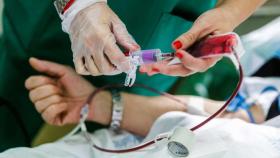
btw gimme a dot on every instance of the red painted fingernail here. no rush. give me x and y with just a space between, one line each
179 55
155 69
126 53
178 44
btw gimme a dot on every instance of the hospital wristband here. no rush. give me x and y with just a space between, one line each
63 5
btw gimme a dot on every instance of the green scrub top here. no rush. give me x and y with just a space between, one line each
32 29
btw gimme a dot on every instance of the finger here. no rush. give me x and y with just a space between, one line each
80 67
144 68
196 64
37 81
152 69
199 30
174 70
53 114
43 92
123 37
42 105
104 64
47 67
112 69
92 68
116 56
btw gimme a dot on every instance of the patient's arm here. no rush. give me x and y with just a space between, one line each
140 112
60 94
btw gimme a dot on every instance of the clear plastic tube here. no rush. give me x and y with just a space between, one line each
150 56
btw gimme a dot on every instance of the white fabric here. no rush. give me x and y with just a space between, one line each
71 13
273 122
253 86
221 138
260 46
195 106
266 100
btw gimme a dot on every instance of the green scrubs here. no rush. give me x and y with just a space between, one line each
32 29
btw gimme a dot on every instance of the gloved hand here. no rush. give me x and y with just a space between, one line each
59 101
95 34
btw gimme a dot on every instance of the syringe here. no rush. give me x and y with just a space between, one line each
150 56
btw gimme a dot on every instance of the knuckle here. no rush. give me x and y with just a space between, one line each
43 79
203 22
53 88
51 112
57 98
117 58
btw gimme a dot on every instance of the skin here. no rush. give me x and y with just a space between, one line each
225 17
59 101
212 106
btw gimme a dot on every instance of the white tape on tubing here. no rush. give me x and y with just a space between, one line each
181 142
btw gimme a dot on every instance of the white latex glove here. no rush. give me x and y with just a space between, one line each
95 33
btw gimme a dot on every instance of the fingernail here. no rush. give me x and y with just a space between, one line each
126 53
177 44
179 55
136 46
155 69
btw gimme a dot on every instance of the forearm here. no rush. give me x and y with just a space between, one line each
139 113
240 9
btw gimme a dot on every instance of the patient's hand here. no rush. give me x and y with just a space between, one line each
256 110
212 106
60 95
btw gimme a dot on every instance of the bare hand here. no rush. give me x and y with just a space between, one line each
60 95
213 22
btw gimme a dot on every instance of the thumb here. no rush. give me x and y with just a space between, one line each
199 30
49 68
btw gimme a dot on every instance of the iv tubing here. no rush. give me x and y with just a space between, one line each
144 145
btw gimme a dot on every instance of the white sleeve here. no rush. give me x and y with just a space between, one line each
70 14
